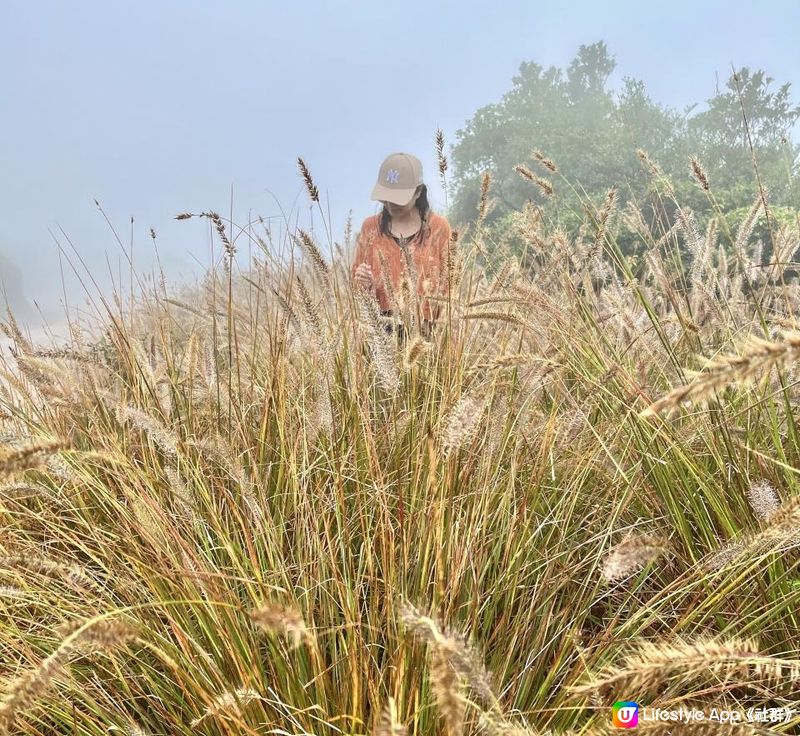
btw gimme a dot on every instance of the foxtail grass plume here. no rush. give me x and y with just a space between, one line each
483 206
632 554
10 328
763 499
18 459
495 725
758 355
51 379
524 172
311 188
441 159
440 155
287 310
455 264
105 634
348 229
782 529
698 173
230 249
321 421
27 688
701 249
719 661
544 161
309 247
229 703
34 563
388 724
449 691
147 517
386 280
309 315
606 211
454 649
648 162
277 618
724 556
656 172
572 423
501 316
382 345
545 186
462 422
509 360
18 491
57 466
416 348
13 592
132 729
164 439
747 225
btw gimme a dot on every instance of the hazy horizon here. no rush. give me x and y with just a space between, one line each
154 110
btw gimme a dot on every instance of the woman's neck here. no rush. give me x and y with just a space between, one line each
407 217
405 225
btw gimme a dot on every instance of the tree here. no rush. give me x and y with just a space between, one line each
719 137
592 133
565 115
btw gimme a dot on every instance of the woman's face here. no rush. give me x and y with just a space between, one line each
397 210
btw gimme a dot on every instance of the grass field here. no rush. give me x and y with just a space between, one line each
247 510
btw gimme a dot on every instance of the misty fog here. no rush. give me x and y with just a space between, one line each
152 110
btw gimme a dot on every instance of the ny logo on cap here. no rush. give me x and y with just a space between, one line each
393 176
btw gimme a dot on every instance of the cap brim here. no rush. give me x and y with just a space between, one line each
396 196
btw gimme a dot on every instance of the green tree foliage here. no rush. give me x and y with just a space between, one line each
719 137
592 133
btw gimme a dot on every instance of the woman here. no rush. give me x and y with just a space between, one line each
406 222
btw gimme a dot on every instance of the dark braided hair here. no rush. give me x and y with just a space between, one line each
423 207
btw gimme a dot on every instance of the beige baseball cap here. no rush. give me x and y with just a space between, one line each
399 176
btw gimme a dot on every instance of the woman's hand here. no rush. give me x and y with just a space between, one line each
363 276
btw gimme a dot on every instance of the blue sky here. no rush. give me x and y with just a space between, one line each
154 108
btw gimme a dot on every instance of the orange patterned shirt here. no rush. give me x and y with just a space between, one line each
428 256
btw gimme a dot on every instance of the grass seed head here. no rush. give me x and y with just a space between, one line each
277 618
230 702
462 423
29 456
632 554
763 499
311 188
544 161
698 173
440 155
388 723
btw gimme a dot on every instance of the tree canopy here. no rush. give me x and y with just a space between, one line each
593 132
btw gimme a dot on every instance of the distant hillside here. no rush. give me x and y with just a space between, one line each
11 290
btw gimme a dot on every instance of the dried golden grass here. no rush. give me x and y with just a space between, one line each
30 686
